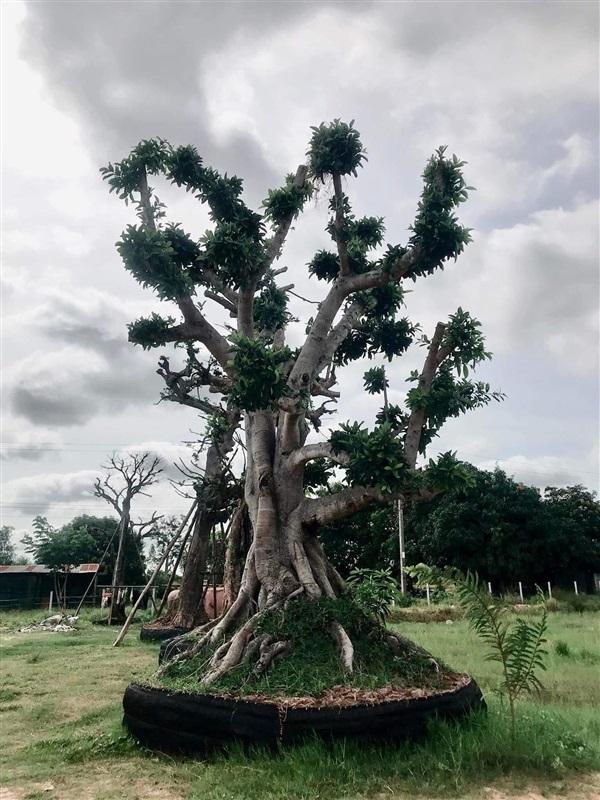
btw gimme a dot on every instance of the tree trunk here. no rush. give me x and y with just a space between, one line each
238 544
188 610
116 612
285 559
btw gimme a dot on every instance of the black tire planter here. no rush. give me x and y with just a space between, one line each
165 719
148 634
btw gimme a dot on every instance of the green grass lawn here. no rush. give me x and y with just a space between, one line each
60 713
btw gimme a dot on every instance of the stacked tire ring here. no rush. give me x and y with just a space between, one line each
165 719
150 634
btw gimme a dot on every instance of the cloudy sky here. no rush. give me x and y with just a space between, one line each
511 87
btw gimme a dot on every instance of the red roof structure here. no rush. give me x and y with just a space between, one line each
39 569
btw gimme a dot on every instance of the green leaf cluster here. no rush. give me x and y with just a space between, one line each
383 301
463 334
158 259
374 590
124 177
232 253
317 474
518 648
375 381
270 309
150 331
287 202
376 458
448 397
436 231
325 266
260 379
447 473
373 336
335 148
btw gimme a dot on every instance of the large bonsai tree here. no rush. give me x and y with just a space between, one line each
278 393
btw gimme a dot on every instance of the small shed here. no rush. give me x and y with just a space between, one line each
29 586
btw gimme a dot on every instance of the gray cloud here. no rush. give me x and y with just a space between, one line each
36 494
133 72
95 372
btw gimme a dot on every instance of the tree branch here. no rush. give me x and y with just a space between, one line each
276 244
342 248
310 452
414 428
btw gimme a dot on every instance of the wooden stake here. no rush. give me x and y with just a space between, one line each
148 586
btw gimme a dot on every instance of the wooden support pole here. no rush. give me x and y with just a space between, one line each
174 572
148 586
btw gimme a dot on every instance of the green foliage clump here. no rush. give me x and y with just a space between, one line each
151 258
375 380
270 309
517 648
375 591
260 378
149 156
376 458
335 148
232 253
324 265
436 230
317 473
287 202
150 331
373 335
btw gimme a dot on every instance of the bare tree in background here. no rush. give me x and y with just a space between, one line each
125 478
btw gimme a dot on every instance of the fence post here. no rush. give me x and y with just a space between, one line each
575 585
50 600
549 590
428 595
490 587
521 591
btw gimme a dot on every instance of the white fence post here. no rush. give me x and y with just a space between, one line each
575 585
50 601
549 590
521 591
428 595
489 587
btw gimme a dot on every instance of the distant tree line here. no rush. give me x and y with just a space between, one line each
505 531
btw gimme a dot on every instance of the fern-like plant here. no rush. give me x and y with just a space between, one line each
517 647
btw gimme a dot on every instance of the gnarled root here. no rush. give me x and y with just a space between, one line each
270 652
403 647
344 646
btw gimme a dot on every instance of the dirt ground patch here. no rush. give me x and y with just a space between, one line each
9 794
587 787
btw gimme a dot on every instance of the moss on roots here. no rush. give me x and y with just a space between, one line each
314 665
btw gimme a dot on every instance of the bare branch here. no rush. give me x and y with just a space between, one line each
221 301
310 452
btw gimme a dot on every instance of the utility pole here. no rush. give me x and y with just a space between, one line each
401 545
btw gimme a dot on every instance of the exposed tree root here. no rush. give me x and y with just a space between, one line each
270 652
403 647
345 647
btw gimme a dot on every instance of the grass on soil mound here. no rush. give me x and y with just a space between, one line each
313 670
